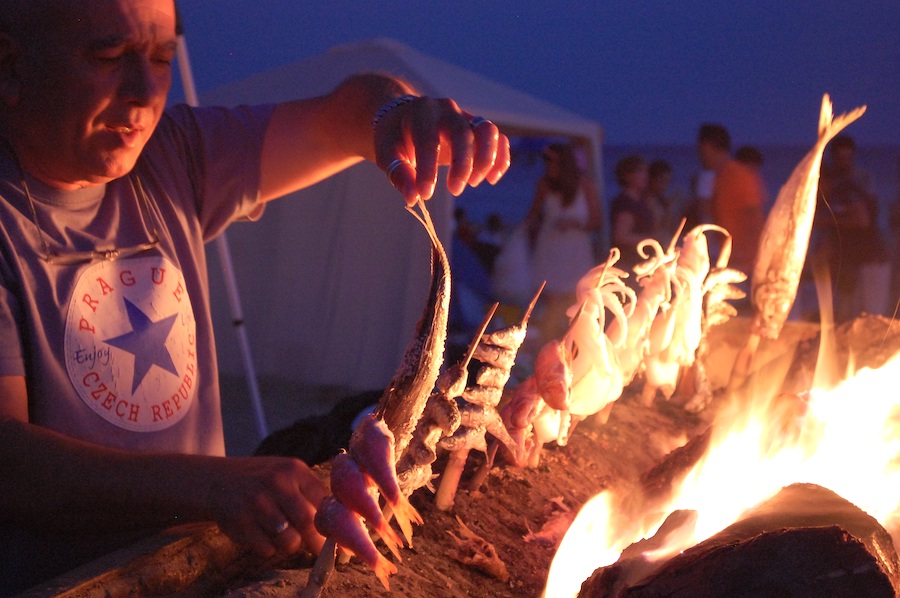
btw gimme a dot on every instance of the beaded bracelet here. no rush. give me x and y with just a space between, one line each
390 106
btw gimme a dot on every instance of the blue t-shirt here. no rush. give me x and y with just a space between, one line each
121 353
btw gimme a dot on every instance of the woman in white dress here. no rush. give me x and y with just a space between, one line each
563 217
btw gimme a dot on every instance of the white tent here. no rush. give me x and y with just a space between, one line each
334 280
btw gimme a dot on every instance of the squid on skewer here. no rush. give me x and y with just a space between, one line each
679 329
654 276
597 376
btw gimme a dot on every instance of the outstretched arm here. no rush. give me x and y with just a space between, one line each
311 139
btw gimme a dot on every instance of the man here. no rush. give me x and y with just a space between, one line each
850 239
738 195
110 424
659 179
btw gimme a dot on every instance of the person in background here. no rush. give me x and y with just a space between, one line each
110 413
738 195
562 218
697 210
463 227
632 214
753 158
490 239
659 179
850 240
749 155
894 220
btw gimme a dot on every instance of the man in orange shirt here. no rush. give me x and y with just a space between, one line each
738 195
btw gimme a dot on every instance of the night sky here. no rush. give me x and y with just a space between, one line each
649 72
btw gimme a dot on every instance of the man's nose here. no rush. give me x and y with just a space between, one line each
142 80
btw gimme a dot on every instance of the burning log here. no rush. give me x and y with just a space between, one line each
805 541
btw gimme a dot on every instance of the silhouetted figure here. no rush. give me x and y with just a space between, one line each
632 216
659 179
562 218
849 237
738 195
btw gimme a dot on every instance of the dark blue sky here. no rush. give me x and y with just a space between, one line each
649 71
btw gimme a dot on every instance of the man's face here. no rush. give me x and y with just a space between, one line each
93 89
842 159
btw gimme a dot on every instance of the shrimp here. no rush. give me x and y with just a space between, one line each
372 448
334 520
480 399
553 374
518 413
353 489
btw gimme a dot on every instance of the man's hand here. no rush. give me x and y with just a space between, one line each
413 138
267 504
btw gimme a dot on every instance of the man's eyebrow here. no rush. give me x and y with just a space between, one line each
112 41
118 41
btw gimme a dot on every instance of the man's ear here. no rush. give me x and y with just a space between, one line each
10 53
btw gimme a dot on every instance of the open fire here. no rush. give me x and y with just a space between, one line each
844 438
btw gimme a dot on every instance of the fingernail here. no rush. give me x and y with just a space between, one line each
456 187
427 190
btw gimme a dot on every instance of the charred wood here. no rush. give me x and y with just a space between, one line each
805 541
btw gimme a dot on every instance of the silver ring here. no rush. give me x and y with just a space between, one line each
477 120
282 527
392 167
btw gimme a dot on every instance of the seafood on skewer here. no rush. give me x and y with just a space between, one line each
440 418
368 471
356 490
518 413
539 413
654 276
478 403
785 240
372 448
335 521
718 289
597 376
478 407
403 401
678 330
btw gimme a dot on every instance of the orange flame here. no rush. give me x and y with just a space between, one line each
846 439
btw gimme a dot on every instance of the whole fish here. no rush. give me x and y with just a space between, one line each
785 241
785 236
403 401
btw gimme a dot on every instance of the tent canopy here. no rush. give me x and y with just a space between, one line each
334 278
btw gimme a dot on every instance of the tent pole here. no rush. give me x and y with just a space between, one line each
234 300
